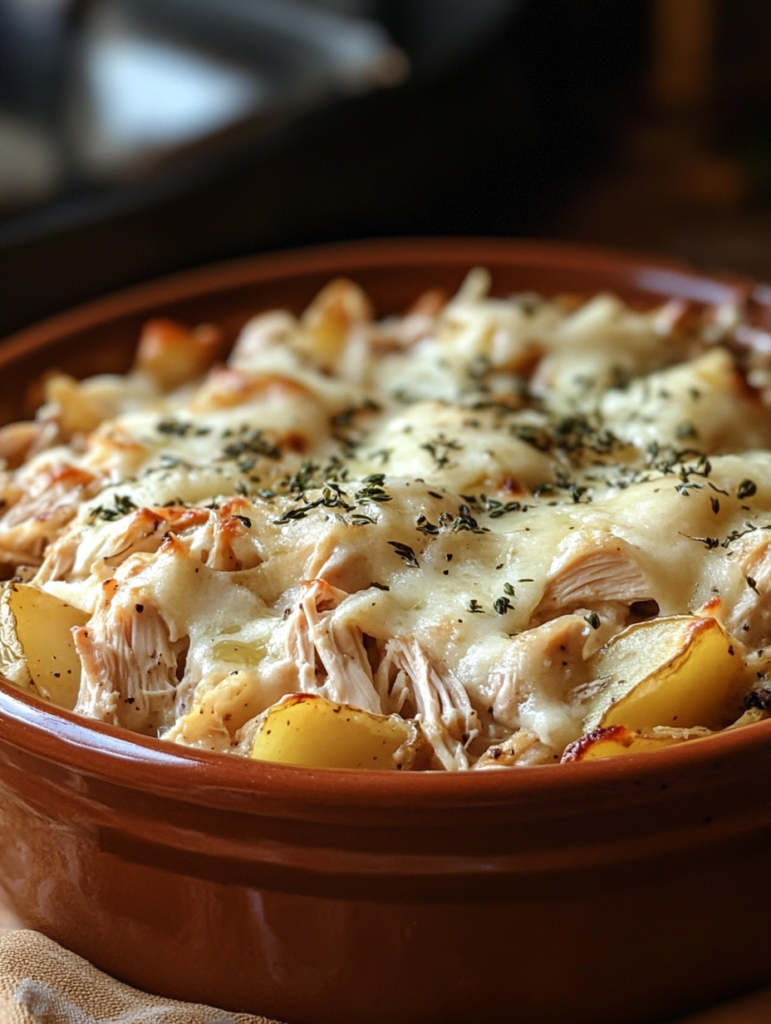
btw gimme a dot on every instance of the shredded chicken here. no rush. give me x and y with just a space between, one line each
533 683
129 663
329 657
50 501
749 617
443 707
20 441
594 570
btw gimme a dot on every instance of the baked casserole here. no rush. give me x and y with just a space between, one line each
486 533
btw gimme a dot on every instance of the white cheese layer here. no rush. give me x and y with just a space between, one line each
472 498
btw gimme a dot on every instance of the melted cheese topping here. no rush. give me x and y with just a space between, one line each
442 515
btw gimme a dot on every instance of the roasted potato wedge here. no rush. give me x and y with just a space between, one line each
36 647
329 319
308 730
614 741
173 355
681 671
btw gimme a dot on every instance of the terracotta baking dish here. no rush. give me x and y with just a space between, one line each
614 891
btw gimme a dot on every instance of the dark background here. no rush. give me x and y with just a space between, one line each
636 123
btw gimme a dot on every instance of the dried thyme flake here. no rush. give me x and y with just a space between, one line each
373 489
253 442
359 519
405 551
425 526
175 428
122 505
439 449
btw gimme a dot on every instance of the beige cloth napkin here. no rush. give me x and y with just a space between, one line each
41 983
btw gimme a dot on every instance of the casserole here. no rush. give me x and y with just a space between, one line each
303 893
490 532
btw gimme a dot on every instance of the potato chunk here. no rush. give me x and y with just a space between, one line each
681 671
36 647
308 730
615 741
173 355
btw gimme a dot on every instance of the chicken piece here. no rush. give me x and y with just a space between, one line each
534 682
329 656
49 503
79 550
129 664
69 407
749 618
75 407
707 397
444 711
261 334
594 570
339 562
112 450
20 440
227 543
226 388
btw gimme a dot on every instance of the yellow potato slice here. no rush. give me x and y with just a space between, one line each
308 730
681 671
36 647
615 741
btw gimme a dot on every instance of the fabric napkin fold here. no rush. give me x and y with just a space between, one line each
41 983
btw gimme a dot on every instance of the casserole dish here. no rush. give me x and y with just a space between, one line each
317 896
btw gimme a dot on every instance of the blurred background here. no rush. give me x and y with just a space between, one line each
139 137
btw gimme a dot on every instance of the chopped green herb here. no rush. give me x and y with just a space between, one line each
174 427
405 551
425 526
253 442
373 489
439 449
685 430
358 519
122 505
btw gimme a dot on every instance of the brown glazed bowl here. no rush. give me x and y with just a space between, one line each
625 890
